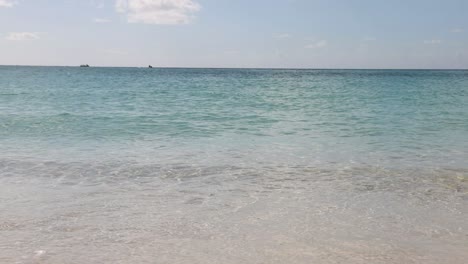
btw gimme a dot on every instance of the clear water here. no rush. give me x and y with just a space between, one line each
128 165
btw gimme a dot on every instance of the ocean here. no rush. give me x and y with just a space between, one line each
174 165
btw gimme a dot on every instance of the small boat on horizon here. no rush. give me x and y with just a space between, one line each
84 65
149 66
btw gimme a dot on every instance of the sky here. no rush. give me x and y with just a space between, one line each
404 34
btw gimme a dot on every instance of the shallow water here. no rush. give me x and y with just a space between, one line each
127 165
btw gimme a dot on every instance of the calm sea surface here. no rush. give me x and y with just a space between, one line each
136 165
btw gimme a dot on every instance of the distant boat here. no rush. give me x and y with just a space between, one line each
84 65
149 66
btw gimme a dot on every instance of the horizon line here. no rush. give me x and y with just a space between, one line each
238 68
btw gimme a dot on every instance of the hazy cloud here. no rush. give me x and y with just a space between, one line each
231 52
433 41
16 36
97 3
367 39
116 52
456 30
168 12
316 45
101 20
7 3
283 36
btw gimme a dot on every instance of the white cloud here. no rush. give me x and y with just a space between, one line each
101 20
316 45
7 3
168 12
282 36
16 36
433 41
456 30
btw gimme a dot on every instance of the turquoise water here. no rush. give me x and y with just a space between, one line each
378 118
339 164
